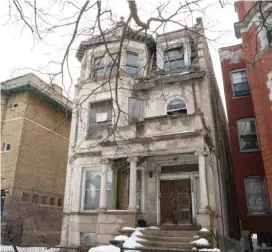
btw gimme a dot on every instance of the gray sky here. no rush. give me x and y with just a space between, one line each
20 52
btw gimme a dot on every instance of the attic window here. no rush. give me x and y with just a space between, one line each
174 58
176 106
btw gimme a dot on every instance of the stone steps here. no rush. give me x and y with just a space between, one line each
182 239
179 238
163 244
170 233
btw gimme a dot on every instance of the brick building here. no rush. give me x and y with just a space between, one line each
247 75
35 128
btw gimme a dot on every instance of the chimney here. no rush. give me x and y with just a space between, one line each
57 90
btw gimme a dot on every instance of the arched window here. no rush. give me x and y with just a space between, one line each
176 106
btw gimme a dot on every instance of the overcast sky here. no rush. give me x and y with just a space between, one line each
19 52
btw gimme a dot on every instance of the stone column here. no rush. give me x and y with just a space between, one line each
104 182
204 212
132 182
202 181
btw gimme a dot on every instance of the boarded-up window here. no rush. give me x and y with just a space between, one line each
100 118
135 109
256 195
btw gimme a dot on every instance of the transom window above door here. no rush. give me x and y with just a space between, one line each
176 106
239 80
174 58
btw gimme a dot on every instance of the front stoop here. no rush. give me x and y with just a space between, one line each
171 239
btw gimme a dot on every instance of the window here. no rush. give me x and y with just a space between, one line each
99 66
132 63
140 190
135 109
176 106
100 118
269 37
59 202
112 65
35 199
256 195
15 105
239 81
247 134
44 200
92 185
6 147
52 201
25 197
174 58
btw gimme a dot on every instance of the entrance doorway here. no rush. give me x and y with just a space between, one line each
175 202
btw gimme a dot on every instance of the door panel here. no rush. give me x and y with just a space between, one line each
167 201
176 201
183 201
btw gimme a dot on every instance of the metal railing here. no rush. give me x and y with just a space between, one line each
37 248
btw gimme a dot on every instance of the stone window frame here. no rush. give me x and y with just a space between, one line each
168 100
262 180
166 55
132 52
234 96
107 59
6 146
247 119
107 123
83 190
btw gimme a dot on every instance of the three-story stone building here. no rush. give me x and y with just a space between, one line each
149 140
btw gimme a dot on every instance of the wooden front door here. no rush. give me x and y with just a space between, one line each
176 207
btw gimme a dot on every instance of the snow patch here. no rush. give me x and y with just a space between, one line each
109 248
121 238
128 229
233 56
152 227
194 248
202 242
204 230
196 236
214 250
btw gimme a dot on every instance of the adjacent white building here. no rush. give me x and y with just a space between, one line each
149 143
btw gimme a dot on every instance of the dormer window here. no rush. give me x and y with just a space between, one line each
132 63
176 106
174 58
99 67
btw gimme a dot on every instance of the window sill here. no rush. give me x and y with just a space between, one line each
240 97
248 151
259 214
88 211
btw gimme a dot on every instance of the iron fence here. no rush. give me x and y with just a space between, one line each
37 248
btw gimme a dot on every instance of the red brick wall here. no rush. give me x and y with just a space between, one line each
244 164
242 7
258 69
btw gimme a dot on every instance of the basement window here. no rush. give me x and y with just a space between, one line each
25 197
176 106
6 147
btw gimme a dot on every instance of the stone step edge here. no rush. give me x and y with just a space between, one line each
152 237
